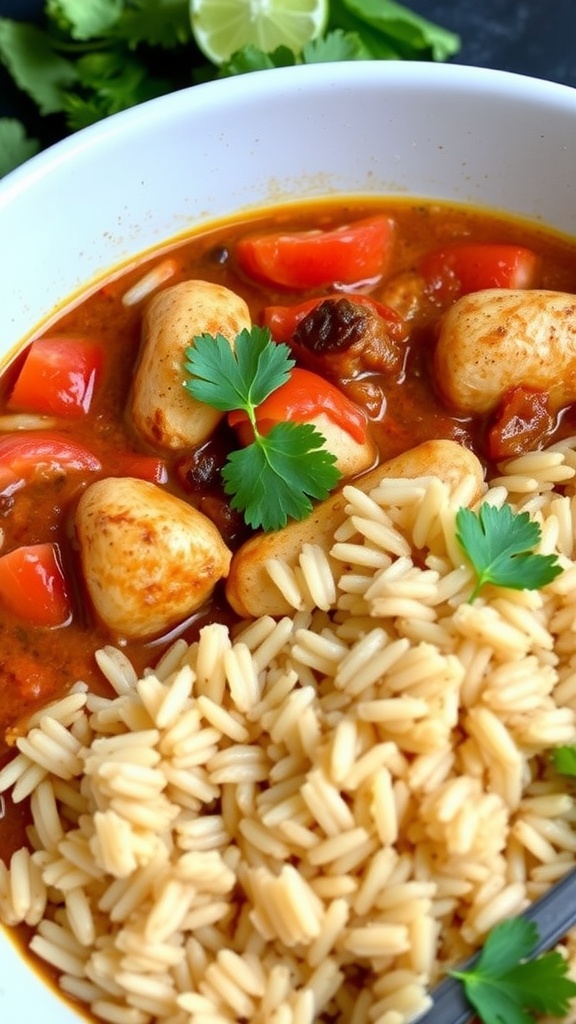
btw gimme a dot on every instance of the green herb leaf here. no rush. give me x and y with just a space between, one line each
413 35
84 19
162 23
250 58
503 986
376 44
31 57
239 378
15 146
274 478
335 45
498 543
564 760
112 80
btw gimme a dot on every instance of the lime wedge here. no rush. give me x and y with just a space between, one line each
221 27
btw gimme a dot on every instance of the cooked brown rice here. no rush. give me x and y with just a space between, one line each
312 819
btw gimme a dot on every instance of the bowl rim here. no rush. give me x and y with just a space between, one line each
235 89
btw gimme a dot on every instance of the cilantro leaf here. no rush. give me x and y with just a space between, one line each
236 379
162 23
504 985
30 55
564 760
82 19
507 944
15 146
250 58
409 33
376 44
498 543
110 81
335 45
273 479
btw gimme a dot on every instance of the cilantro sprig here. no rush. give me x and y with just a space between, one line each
499 544
274 478
505 985
87 59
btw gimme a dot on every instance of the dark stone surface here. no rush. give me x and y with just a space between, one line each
530 37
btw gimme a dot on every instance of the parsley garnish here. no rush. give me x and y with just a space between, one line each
274 478
504 985
564 760
499 543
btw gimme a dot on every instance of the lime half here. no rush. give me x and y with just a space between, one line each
221 27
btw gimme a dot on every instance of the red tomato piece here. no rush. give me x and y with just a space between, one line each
314 259
142 466
304 396
57 377
41 454
32 585
461 268
282 321
522 422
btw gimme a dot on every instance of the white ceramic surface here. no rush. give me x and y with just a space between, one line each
111 191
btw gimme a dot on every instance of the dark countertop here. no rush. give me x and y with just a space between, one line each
529 37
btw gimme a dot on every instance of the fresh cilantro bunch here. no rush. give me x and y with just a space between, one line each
505 985
272 479
92 58
499 543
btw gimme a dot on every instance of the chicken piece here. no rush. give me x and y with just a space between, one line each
405 293
307 397
163 412
148 558
492 341
343 339
352 456
249 589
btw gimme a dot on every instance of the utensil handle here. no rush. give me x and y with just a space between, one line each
554 914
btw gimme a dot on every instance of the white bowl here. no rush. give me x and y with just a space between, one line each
473 136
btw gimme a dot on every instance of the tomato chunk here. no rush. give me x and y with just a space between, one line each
142 466
461 268
314 259
57 377
32 585
282 321
303 397
39 454
522 422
